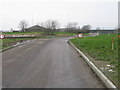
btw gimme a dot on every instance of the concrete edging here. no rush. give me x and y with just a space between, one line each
102 77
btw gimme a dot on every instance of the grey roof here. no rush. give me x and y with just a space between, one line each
35 27
104 30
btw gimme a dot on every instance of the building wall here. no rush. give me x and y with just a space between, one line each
33 30
103 31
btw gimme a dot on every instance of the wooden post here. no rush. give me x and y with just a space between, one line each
112 43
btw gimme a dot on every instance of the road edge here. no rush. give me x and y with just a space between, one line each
102 77
11 47
22 43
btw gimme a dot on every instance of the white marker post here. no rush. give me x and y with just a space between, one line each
80 36
2 36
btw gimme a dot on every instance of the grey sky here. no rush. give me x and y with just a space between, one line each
97 13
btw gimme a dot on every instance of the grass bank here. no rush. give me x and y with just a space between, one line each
99 50
38 33
22 32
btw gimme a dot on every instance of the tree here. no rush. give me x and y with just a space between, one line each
51 25
23 25
72 27
86 27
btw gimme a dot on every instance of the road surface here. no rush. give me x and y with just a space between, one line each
51 63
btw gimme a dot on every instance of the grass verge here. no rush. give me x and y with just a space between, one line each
5 43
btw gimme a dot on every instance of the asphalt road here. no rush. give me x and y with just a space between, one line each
51 63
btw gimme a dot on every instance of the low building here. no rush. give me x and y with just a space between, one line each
84 31
104 31
35 28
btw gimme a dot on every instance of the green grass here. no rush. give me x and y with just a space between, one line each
99 46
22 32
100 49
56 33
85 34
65 33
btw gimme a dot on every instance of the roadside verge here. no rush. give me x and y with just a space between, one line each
102 77
17 44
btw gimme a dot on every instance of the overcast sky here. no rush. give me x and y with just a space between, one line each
97 13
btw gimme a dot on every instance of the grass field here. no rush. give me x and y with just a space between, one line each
21 32
65 33
99 49
40 33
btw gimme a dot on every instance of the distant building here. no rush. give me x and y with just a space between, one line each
35 28
84 31
119 30
74 31
104 31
